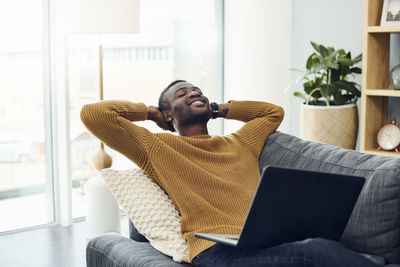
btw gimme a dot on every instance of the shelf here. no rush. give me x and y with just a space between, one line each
382 92
383 153
384 29
375 91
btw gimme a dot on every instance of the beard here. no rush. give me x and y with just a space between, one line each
191 117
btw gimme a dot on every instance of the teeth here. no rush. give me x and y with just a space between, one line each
197 102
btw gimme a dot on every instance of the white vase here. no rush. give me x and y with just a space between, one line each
334 125
103 213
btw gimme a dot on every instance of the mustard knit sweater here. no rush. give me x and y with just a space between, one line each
210 179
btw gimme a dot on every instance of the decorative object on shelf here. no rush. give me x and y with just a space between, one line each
390 13
389 137
330 113
395 77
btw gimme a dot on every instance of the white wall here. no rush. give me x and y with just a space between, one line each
336 23
258 41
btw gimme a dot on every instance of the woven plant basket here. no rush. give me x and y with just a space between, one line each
334 125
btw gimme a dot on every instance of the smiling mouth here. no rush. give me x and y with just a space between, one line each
197 103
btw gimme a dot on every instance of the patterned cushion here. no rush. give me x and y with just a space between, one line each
150 209
374 227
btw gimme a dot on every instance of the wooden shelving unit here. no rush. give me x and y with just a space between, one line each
375 78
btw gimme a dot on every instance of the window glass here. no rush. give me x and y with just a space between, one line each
24 188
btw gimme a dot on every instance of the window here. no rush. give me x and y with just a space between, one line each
179 39
25 188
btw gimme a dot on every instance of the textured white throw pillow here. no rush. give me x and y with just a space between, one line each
150 209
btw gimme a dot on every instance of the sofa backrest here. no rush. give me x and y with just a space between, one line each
374 227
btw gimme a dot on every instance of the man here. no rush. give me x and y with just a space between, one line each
210 179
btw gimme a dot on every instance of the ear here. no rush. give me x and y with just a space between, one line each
167 115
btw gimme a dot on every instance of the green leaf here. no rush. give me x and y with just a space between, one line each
308 86
333 65
348 55
318 67
316 56
323 51
316 95
318 82
338 98
341 52
335 75
300 95
311 61
348 86
345 61
356 70
330 51
316 47
357 59
311 85
297 70
325 90
333 54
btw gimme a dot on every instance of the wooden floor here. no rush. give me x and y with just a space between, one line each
49 246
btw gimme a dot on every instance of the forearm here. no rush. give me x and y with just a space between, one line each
261 118
111 122
248 110
107 111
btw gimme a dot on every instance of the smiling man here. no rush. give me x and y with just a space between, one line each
210 179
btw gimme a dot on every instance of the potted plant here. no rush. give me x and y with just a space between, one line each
329 112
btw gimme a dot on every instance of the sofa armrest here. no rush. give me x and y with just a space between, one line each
113 250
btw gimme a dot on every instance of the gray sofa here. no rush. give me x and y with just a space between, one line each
374 227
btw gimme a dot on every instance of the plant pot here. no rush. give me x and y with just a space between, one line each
334 125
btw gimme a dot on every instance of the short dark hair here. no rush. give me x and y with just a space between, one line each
161 103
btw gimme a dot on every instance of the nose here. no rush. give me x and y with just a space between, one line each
194 94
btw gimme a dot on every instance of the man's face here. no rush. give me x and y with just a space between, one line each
186 104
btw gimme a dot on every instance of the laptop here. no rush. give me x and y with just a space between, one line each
291 205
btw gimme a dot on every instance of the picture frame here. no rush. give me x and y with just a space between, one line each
390 13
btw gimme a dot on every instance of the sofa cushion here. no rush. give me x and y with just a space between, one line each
374 226
114 250
150 209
